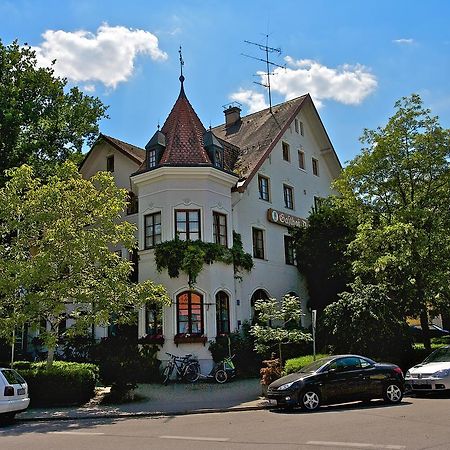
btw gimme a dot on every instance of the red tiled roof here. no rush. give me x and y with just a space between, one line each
136 153
256 134
184 135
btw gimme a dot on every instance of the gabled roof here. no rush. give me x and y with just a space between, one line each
136 154
257 134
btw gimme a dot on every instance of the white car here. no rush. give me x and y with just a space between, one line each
13 394
432 374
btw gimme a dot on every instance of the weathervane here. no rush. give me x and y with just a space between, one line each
181 65
267 50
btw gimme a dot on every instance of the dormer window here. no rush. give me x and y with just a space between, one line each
151 158
218 159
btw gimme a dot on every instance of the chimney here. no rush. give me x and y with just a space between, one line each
232 115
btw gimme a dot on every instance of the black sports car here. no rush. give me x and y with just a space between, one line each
338 379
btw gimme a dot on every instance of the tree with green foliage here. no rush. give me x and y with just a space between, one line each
367 321
399 186
56 254
42 122
279 323
321 252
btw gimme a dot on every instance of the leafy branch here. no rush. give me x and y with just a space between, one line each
190 257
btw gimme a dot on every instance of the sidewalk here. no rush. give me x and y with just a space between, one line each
173 399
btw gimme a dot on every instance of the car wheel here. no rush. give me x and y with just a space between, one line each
7 417
221 376
310 400
392 393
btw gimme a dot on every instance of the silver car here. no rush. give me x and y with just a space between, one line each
13 394
432 374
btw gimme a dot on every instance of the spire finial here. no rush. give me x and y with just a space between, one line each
181 65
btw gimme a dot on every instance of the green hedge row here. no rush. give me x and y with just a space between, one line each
295 364
65 383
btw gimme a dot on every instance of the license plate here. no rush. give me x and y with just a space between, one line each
272 402
21 391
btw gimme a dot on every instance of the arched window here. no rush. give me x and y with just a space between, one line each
259 294
190 313
222 313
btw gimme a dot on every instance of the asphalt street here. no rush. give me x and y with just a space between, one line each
417 423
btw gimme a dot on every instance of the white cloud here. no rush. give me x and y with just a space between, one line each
106 56
404 41
345 84
89 88
255 101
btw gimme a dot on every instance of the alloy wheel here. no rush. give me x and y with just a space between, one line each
311 400
393 393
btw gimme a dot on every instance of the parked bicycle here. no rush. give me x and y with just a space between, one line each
187 368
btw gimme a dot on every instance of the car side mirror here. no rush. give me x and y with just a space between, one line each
333 370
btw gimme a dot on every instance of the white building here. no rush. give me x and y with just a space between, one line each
252 175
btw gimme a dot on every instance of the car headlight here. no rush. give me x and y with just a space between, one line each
283 387
441 373
408 374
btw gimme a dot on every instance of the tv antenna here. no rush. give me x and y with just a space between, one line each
267 50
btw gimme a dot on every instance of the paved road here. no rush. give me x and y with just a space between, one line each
415 424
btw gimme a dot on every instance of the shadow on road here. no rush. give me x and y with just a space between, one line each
20 428
354 406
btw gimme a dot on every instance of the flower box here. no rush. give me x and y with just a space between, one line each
156 339
189 339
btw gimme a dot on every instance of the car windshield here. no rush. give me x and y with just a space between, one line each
440 355
314 366
12 377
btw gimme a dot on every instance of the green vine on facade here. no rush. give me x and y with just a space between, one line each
189 257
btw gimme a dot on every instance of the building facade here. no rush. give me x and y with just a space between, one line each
255 175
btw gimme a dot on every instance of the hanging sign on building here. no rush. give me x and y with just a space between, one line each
284 219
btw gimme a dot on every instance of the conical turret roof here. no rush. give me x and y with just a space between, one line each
184 135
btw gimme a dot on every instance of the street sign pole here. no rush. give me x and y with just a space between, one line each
313 320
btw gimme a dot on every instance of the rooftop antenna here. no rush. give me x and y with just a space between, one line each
267 50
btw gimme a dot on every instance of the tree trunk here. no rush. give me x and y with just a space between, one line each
50 356
425 329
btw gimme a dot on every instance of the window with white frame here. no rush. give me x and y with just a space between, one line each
315 166
288 193
301 159
285 148
220 228
263 187
187 224
258 243
152 228
289 252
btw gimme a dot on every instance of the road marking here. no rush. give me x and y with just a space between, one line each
355 445
195 438
78 433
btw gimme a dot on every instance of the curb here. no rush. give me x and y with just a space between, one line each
144 414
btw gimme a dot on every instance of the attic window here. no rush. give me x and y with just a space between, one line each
297 129
110 163
301 129
285 147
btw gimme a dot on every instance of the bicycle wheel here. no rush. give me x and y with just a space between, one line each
166 374
191 372
221 376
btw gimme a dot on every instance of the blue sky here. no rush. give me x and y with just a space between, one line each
356 58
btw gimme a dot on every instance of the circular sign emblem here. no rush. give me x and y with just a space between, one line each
274 216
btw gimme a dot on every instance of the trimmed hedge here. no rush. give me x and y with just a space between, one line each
65 383
295 364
